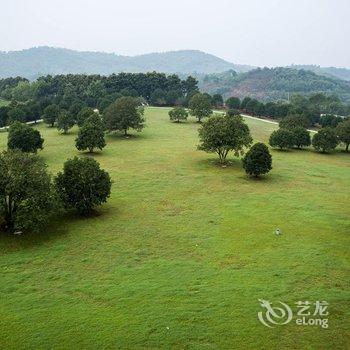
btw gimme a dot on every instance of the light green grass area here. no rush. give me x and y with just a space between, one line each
181 253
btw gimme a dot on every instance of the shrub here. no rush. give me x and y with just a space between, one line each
177 114
258 160
301 137
325 140
281 138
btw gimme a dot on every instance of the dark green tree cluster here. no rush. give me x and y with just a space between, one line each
178 114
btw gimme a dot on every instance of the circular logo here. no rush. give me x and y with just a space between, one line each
274 315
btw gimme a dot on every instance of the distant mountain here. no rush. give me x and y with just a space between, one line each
340 73
271 84
32 63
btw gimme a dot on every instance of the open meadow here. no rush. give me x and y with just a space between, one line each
180 255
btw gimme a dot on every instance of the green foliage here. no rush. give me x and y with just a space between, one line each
258 160
65 121
51 114
329 120
325 140
24 138
217 100
16 114
91 134
83 115
294 121
83 185
233 103
178 114
200 106
281 138
26 193
221 134
301 137
343 132
124 114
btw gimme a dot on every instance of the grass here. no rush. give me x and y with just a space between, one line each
3 102
183 250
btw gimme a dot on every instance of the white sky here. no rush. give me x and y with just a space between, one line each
257 32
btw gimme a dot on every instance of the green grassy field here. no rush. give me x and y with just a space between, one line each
3 102
183 250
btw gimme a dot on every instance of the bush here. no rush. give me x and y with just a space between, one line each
258 160
325 140
177 114
83 185
221 134
91 134
24 138
281 138
301 137
26 192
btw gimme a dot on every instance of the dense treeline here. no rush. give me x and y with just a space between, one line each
29 99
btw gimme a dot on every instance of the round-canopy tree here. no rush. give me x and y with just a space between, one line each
65 121
200 106
91 134
301 137
258 160
233 103
24 138
221 134
177 114
51 113
124 114
26 193
343 132
83 185
325 140
281 138
83 115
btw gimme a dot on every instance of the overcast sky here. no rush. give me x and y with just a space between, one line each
257 32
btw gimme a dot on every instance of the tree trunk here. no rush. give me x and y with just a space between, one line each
347 147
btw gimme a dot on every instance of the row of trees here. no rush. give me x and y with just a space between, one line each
29 196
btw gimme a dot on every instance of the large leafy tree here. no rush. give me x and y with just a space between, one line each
91 134
258 160
325 140
83 115
51 113
343 132
233 103
282 138
221 134
24 138
16 114
301 137
177 114
26 193
124 114
83 185
65 121
200 106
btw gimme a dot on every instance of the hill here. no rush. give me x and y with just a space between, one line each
334 72
273 84
32 63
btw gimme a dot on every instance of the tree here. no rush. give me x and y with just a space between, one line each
83 115
294 121
65 121
330 120
177 114
281 138
24 138
91 134
83 185
16 114
124 114
343 132
325 140
26 192
301 137
258 160
245 102
75 108
233 103
200 106
217 100
221 134
51 113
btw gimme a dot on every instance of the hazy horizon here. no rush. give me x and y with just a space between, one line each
269 33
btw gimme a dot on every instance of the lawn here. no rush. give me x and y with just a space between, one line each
3 102
183 250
